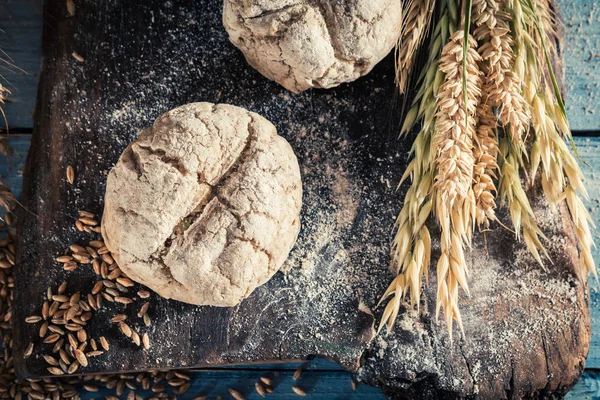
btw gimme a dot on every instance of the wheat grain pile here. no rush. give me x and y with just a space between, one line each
492 124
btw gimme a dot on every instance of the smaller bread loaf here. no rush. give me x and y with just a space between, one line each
303 44
204 206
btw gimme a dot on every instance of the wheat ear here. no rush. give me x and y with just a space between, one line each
485 171
550 26
411 245
430 80
503 85
453 187
416 22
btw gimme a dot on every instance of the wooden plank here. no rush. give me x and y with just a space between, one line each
20 39
582 61
587 388
21 24
319 385
589 150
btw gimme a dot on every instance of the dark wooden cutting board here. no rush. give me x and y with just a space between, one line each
527 331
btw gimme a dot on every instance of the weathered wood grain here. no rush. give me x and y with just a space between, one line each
527 330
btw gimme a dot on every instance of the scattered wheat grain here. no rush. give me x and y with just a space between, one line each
298 390
70 170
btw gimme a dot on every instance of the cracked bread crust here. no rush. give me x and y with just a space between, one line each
204 207
303 44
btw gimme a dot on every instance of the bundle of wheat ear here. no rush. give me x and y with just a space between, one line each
490 112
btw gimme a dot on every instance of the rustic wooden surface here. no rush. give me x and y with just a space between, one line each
143 58
325 380
139 115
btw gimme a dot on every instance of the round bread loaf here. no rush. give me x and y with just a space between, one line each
204 206
313 43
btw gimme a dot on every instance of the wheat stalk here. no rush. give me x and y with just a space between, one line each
454 130
561 177
424 104
410 250
581 222
502 86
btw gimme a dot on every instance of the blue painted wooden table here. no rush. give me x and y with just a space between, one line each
20 32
